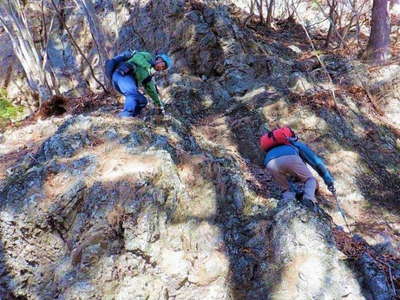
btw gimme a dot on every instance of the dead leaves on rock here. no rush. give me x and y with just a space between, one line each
354 248
321 99
351 247
59 105
195 5
325 99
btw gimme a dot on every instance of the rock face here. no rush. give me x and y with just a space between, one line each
95 207
307 260
116 209
105 207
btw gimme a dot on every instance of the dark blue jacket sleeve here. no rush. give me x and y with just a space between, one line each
314 161
111 64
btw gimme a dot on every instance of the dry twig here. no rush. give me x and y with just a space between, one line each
319 59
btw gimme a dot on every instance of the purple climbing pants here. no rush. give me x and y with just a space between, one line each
292 165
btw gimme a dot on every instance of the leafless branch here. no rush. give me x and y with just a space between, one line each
319 59
77 46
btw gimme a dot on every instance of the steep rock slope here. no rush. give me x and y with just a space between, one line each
94 207
119 210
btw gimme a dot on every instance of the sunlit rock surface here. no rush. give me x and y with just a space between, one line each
95 207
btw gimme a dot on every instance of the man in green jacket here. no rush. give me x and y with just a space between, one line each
130 69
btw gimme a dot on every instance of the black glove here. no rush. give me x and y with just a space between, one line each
331 188
125 68
160 111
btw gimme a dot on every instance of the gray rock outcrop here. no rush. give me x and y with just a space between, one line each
95 207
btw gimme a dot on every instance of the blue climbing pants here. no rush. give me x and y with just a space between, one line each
135 101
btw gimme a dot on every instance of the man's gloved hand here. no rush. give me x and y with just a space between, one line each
160 111
162 107
125 68
331 188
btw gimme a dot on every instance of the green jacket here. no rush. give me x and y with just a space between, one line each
143 62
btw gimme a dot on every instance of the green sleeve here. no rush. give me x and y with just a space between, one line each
142 59
152 92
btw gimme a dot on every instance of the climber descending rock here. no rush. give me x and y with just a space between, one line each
287 157
130 69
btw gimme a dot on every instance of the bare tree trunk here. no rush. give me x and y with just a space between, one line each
16 25
251 13
329 35
260 7
60 16
251 7
334 104
116 49
346 31
97 34
45 50
333 17
270 10
378 48
356 14
332 23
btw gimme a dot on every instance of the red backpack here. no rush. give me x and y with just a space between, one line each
276 137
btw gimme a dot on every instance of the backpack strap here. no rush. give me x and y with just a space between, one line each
298 150
271 135
147 79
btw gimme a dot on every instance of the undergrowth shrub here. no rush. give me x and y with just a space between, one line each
8 111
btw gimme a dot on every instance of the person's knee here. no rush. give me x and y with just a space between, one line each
141 100
287 194
271 168
130 91
311 178
130 103
310 187
126 85
313 181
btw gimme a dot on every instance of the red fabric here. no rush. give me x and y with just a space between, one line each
277 137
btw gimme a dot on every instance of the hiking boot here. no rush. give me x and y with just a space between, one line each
138 110
284 202
125 114
159 111
308 203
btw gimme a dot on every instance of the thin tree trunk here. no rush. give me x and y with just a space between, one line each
77 46
260 5
329 35
97 34
116 49
251 13
19 32
270 11
356 15
319 59
45 50
378 48
346 31
332 23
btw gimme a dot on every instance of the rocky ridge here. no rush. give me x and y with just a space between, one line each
93 207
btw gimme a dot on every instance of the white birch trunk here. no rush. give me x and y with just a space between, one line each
16 25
